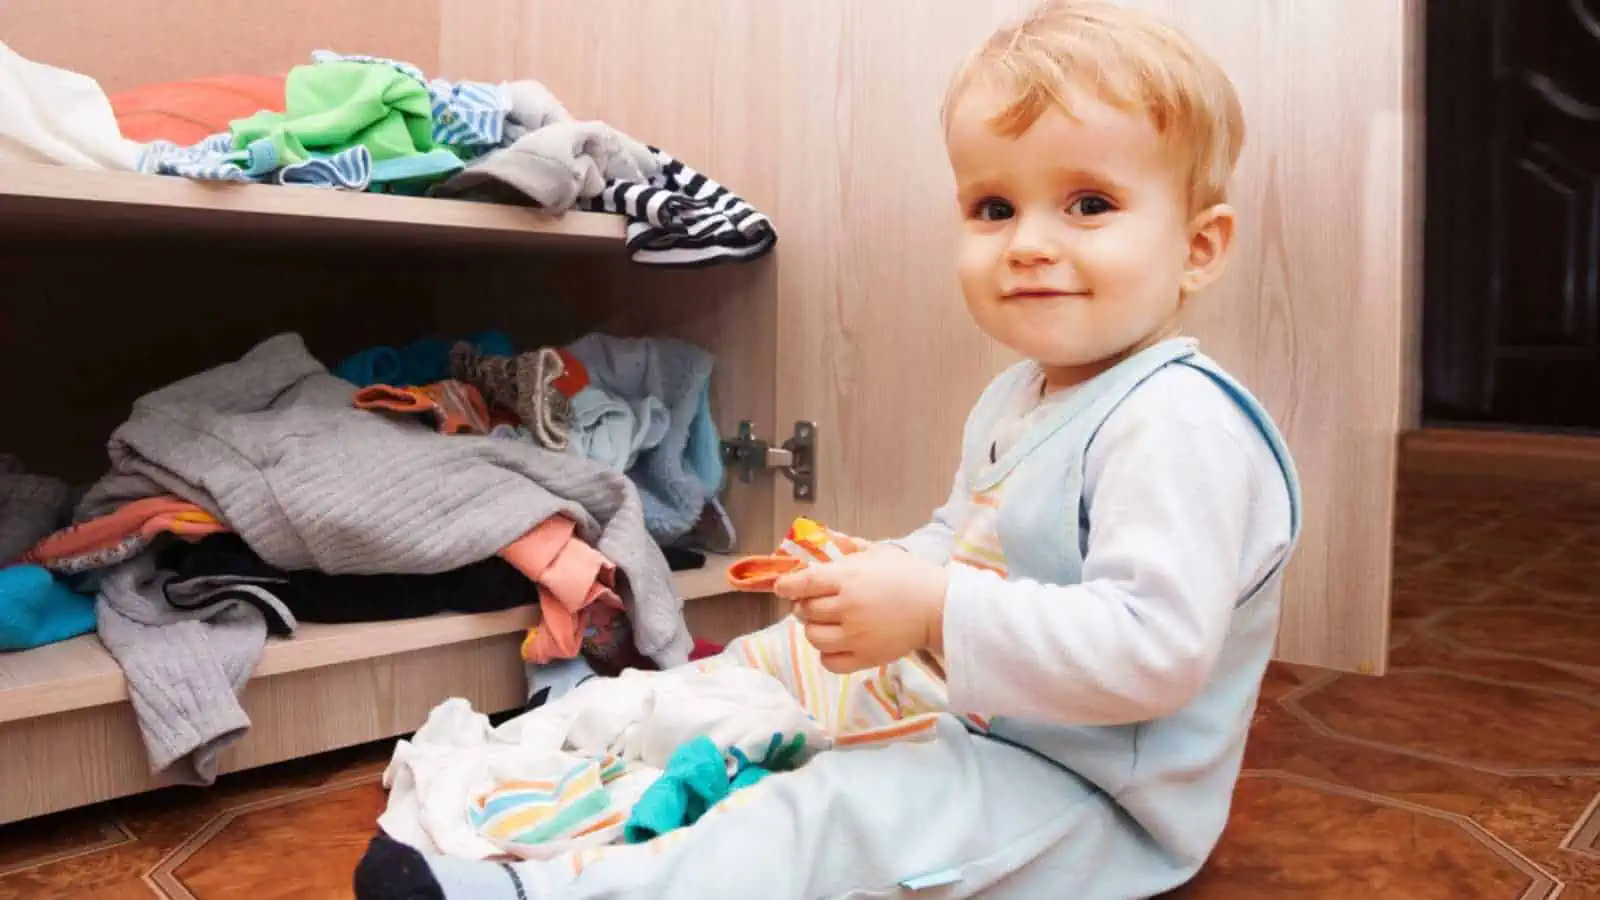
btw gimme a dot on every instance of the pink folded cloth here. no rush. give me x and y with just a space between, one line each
119 535
576 589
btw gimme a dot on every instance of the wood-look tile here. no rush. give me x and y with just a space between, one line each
1281 742
1535 815
1528 538
1436 590
26 845
1476 564
325 833
1286 841
1424 651
1559 636
121 890
1283 678
1558 578
1492 725
1520 597
163 820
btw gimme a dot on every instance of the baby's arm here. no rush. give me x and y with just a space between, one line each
1170 493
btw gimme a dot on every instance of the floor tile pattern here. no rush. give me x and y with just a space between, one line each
1472 770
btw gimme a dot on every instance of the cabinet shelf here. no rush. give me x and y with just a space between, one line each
39 201
80 673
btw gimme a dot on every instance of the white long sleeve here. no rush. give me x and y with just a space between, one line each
1188 511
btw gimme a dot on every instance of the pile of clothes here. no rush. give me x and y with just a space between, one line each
624 760
269 491
640 407
362 123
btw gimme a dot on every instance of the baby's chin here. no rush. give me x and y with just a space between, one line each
1056 352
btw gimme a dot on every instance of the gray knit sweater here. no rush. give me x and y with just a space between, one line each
271 444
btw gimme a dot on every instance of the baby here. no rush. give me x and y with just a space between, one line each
1103 585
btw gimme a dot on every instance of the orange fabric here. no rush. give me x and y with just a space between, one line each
760 573
574 377
187 112
453 407
806 543
146 518
576 586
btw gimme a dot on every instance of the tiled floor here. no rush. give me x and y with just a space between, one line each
1471 771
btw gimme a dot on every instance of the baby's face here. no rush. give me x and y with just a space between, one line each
1076 233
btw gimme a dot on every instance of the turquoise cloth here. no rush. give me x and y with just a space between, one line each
696 779
35 609
422 361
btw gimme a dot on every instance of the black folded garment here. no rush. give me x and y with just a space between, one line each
219 566
680 559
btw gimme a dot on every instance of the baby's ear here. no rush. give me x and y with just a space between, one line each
1210 243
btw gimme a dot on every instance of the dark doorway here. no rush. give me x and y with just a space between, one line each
1511 315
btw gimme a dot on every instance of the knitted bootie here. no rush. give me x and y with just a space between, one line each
525 384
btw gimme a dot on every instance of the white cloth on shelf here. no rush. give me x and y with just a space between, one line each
53 116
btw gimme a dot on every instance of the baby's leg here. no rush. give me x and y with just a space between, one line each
851 823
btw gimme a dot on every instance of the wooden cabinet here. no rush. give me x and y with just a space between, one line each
824 116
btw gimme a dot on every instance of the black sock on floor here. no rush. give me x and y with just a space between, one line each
390 870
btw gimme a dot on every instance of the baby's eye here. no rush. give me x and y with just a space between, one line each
992 209
1090 205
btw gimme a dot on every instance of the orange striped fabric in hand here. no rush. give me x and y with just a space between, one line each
807 542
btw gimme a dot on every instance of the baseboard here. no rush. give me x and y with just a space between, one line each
1504 454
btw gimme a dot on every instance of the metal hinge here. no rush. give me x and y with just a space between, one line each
795 460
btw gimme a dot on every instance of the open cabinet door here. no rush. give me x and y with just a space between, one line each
875 346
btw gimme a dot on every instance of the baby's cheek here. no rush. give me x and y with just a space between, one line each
976 258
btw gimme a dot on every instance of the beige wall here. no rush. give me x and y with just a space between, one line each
126 43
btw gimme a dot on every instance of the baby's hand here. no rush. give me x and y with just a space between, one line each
870 608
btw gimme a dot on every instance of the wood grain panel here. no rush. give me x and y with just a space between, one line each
84 756
127 43
1312 315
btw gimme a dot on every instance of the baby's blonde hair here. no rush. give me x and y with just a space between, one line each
1129 60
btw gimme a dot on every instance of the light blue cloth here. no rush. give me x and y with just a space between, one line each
217 159
35 609
680 473
612 431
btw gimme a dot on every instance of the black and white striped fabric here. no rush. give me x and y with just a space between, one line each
682 218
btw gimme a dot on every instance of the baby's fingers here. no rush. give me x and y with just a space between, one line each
806 584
